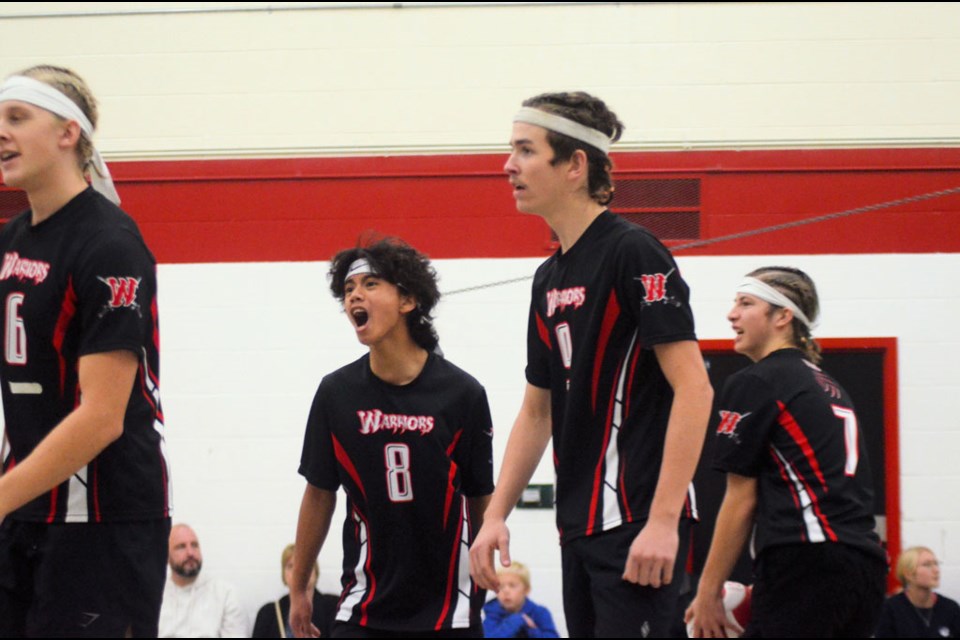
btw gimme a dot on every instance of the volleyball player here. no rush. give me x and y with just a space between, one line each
790 444
84 492
614 376
408 436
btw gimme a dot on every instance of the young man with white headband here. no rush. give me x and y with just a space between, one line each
797 476
84 495
408 436
614 377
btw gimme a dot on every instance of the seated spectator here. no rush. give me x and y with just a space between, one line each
197 606
917 611
273 620
512 614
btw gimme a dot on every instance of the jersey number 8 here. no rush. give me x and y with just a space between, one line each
399 487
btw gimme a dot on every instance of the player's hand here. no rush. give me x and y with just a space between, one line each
653 554
301 614
493 535
706 618
529 621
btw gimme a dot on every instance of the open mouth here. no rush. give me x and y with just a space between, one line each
8 155
360 317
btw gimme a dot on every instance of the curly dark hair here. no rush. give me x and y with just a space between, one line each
399 264
589 111
800 289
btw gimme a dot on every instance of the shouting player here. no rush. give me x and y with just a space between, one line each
790 444
408 435
84 493
614 374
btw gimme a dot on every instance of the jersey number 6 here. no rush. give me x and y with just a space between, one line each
15 340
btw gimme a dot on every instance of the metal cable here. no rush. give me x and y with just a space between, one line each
752 232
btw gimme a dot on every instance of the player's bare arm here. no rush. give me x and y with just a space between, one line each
734 523
654 551
106 380
316 513
528 440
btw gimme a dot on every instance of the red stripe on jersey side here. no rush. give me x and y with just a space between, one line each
451 476
53 504
367 569
347 465
454 558
598 474
68 309
610 316
97 516
793 490
788 422
623 490
543 331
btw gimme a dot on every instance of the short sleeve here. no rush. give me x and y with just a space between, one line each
650 287
115 287
538 350
318 461
476 459
747 412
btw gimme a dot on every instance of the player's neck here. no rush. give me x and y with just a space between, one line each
571 220
182 581
398 363
57 191
921 597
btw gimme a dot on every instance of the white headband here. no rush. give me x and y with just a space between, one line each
567 127
42 95
357 267
760 289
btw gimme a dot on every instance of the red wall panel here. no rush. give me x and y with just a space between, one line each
461 206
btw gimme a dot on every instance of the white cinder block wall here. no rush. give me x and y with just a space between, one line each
244 345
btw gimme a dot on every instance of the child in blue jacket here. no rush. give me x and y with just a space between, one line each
512 614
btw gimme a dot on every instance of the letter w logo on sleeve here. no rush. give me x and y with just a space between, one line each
123 291
728 423
654 286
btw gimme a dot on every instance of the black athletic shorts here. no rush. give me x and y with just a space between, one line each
91 580
825 590
599 603
350 630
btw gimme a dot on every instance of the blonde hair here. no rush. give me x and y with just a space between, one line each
907 562
799 288
285 558
517 569
70 84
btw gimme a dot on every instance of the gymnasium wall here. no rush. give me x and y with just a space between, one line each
250 143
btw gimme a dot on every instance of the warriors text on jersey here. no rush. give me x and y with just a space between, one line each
408 458
789 424
597 311
78 283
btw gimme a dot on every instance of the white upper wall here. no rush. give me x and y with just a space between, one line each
211 79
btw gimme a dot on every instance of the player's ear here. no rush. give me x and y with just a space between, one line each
578 165
407 302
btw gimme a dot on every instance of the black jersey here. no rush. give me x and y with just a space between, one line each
82 282
788 423
595 314
408 458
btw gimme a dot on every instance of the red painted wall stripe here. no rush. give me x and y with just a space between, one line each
459 206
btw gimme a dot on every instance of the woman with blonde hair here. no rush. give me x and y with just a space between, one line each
273 619
84 495
917 611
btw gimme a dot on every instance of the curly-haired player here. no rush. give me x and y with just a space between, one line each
409 437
